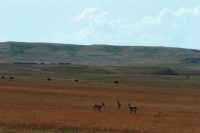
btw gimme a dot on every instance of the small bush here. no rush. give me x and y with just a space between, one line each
76 80
167 71
116 82
11 77
49 79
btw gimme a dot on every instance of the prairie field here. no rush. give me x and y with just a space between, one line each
60 105
29 103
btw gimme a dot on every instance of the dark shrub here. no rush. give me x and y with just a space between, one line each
167 71
116 82
11 77
49 79
76 80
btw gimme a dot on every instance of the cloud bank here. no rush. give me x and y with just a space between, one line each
172 27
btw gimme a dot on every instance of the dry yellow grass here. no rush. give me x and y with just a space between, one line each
63 104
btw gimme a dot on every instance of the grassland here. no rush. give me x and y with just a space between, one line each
31 104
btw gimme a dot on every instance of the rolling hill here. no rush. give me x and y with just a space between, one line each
95 55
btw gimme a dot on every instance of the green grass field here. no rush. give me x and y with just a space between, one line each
136 75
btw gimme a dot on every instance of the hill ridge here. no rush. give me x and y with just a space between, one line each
96 54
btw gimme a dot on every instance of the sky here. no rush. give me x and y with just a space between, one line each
172 23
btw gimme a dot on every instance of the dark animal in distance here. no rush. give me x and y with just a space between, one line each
11 77
99 107
76 80
116 82
49 79
132 109
118 104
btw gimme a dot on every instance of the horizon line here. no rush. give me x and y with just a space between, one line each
98 44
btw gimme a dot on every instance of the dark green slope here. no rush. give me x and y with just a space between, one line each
12 52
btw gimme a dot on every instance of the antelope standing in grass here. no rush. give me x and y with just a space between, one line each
119 105
99 107
132 109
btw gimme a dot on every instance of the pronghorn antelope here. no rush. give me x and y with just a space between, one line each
98 107
118 104
132 109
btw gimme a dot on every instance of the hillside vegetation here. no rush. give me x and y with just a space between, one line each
98 55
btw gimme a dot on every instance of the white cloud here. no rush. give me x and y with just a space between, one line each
156 19
178 26
167 26
94 22
87 31
93 15
164 13
194 11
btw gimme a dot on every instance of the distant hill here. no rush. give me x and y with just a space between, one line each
99 55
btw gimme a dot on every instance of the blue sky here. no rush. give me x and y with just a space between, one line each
174 23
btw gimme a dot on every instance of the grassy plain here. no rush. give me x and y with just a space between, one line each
31 104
